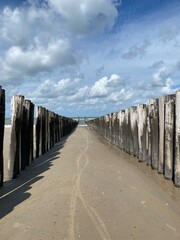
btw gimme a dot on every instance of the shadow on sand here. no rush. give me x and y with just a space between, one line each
15 191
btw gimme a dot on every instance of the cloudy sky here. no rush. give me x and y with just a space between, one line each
89 57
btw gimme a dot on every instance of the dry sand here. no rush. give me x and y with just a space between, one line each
84 188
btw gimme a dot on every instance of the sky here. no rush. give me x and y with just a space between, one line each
89 57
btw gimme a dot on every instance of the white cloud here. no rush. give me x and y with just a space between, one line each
61 89
84 17
104 91
19 63
13 26
104 86
163 73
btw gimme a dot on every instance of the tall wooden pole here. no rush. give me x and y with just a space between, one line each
177 141
2 122
15 139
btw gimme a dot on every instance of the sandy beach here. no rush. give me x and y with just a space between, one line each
85 188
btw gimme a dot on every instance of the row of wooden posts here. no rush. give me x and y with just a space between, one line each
151 132
27 142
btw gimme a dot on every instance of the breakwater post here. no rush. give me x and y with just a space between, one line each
21 139
177 141
169 137
150 132
2 122
142 130
15 151
49 129
27 134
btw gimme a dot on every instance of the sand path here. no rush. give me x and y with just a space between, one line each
86 189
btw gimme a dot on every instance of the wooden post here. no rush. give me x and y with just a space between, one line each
24 135
177 141
126 131
162 102
31 132
113 119
169 138
134 130
120 129
109 127
15 139
123 130
117 130
142 125
2 122
49 130
43 131
38 130
27 134
129 131
153 115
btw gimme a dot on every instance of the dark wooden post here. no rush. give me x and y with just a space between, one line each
38 127
2 119
24 135
14 165
31 131
43 130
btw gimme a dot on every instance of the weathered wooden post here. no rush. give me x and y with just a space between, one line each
106 122
120 129
15 139
148 138
142 125
27 134
123 130
162 102
169 138
47 130
129 132
117 130
38 131
177 141
31 132
134 130
153 115
126 131
24 135
2 122
43 132
110 126
113 124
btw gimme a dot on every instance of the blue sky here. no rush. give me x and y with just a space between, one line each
89 57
